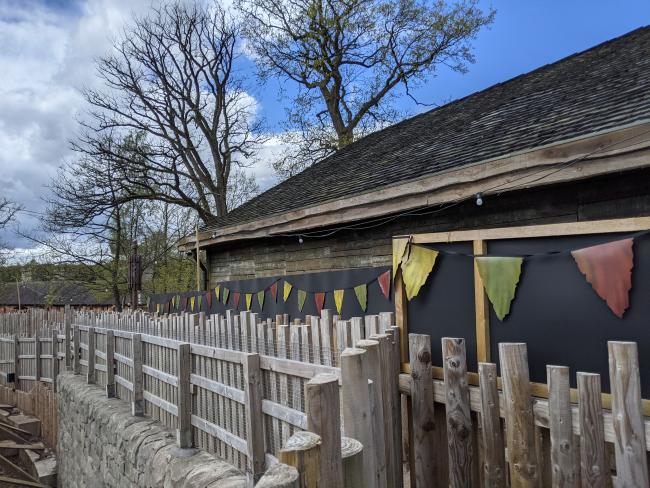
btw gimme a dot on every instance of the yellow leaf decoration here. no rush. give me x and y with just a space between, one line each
249 300
416 269
338 299
224 295
302 296
217 290
192 300
500 276
157 307
361 291
287 290
399 251
260 299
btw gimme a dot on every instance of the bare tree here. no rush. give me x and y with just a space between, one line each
349 57
172 77
8 211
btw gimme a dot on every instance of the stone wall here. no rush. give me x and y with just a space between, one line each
102 445
613 196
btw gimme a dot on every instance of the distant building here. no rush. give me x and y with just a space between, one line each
49 294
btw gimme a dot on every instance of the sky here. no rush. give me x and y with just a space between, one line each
48 47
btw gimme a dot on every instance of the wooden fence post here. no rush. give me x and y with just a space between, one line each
90 376
494 469
353 464
280 476
38 348
302 451
66 342
563 442
518 406
592 436
137 406
184 428
55 358
76 343
627 416
459 422
323 413
355 400
253 395
397 398
16 363
110 363
422 409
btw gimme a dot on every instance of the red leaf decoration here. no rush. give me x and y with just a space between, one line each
319 298
208 300
274 291
384 283
235 298
608 268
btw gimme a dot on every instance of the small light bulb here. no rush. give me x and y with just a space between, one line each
479 199
300 240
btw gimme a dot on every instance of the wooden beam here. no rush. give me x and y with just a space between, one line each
481 308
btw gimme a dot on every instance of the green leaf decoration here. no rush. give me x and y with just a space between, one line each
260 298
500 276
416 268
249 300
338 299
361 291
224 295
287 290
217 289
302 296
400 246
192 301
200 301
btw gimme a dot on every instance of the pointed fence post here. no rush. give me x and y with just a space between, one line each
253 395
16 362
38 348
110 363
67 326
76 345
593 471
494 464
184 429
55 358
137 406
90 376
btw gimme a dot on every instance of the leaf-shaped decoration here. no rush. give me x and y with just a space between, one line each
217 289
287 290
192 302
302 296
416 269
200 297
260 298
274 291
319 298
361 291
224 295
235 299
338 299
384 283
249 300
500 276
208 300
608 268
400 246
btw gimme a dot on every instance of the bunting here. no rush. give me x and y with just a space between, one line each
224 296
208 300
200 300
157 307
217 289
192 302
500 276
400 247
338 300
384 283
178 302
287 290
260 298
361 291
416 268
274 291
249 300
302 296
235 299
184 303
319 298
608 268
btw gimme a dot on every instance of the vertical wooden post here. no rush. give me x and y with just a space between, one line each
253 395
76 346
67 331
563 442
137 406
593 472
16 362
302 451
55 358
627 416
110 363
422 409
481 308
353 467
459 422
396 363
323 413
184 428
90 375
494 468
38 348
326 336
520 428
355 400
401 313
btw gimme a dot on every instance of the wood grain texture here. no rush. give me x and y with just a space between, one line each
352 454
184 370
481 308
254 418
494 467
302 451
593 471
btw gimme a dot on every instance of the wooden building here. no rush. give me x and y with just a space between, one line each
49 295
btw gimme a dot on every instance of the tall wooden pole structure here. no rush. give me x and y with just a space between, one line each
198 262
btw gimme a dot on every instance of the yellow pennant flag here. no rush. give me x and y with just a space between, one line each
338 299
192 300
400 252
302 296
287 290
217 289
361 291
249 300
157 307
500 276
260 298
416 269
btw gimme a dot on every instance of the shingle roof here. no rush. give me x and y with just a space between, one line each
601 88
49 293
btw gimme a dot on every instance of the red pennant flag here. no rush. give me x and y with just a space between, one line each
319 298
608 268
184 303
384 283
208 300
274 291
235 298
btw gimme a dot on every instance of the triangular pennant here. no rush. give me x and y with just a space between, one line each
208 300
217 290
274 291
361 291
302 296
184 303
178 301
235 299
192 302
224 295
319 298
338 299
416 268
249 300
157 307
384 283
400 246
500 276
260 298
608 268
287 290
200 300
